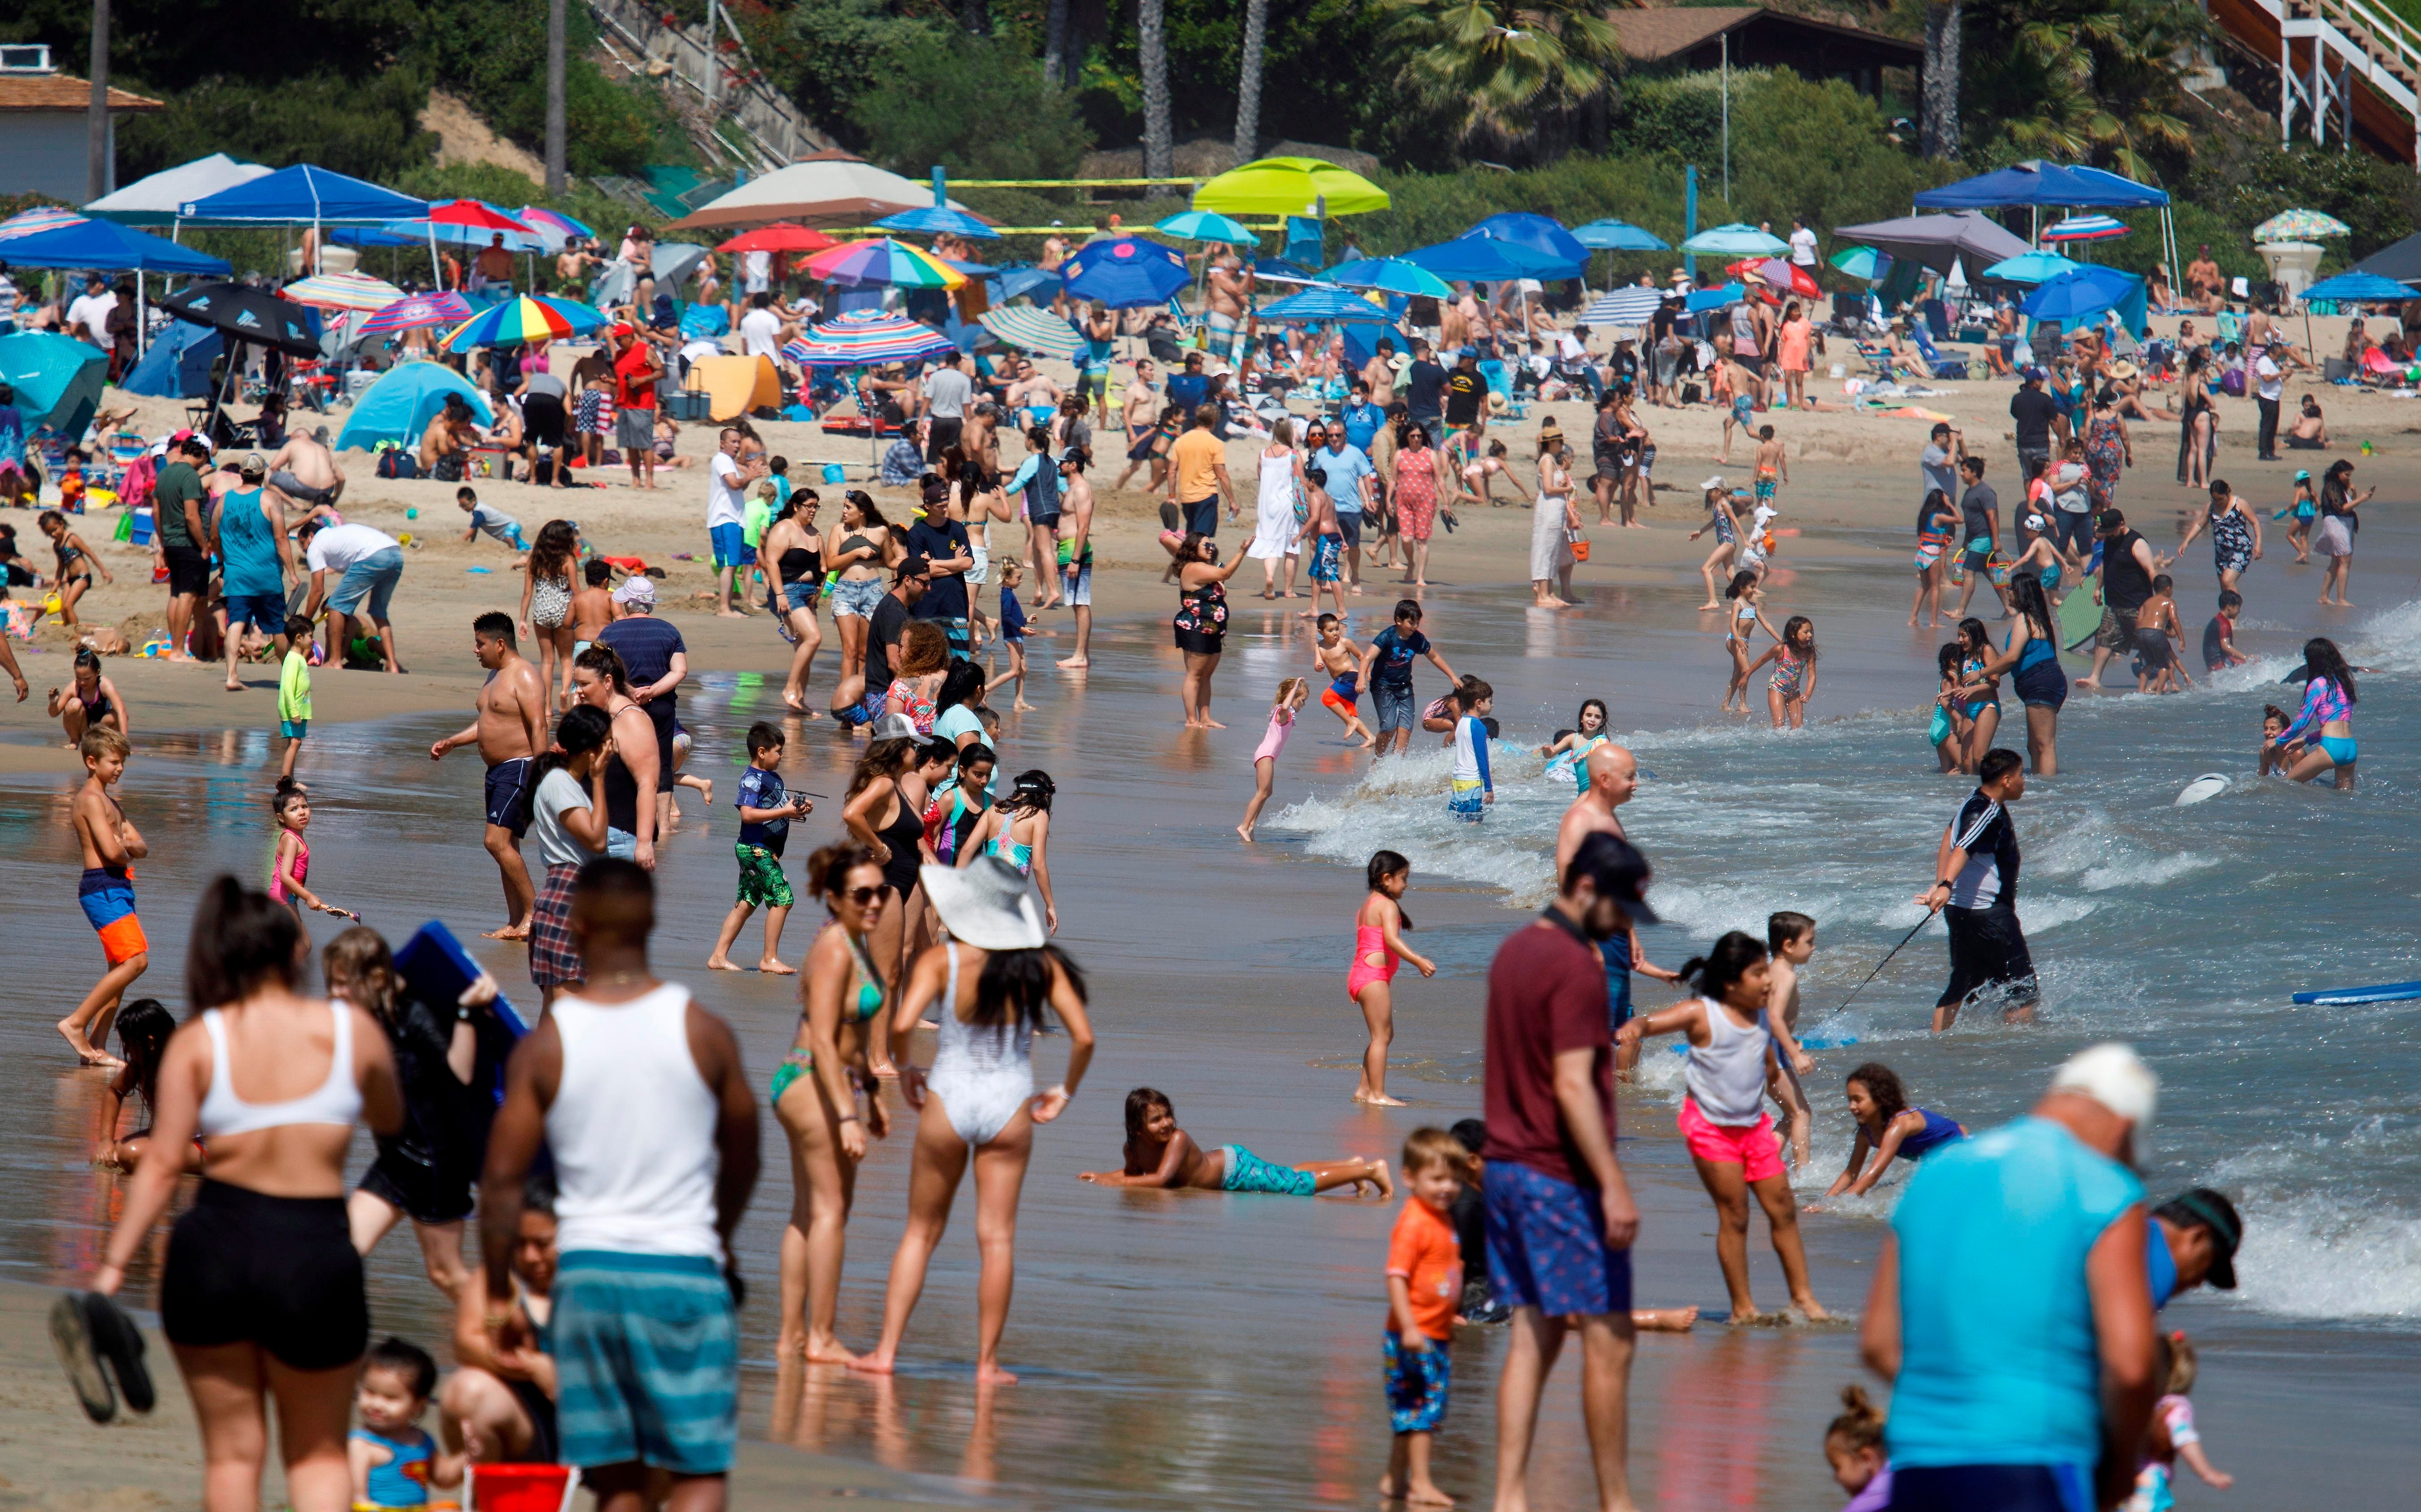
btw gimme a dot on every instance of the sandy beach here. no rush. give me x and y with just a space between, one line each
1187 1350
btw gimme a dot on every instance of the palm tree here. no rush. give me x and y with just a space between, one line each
1159 144
1503 70
1057 69
1248 86
1940 135
555 108
2106 84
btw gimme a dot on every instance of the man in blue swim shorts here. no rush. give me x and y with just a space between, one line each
1560 1216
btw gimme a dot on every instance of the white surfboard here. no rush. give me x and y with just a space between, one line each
2210 785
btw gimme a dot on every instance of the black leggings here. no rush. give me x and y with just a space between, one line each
245 1267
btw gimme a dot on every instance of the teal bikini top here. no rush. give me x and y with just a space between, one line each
869 991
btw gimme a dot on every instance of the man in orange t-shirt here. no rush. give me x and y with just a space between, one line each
1197 478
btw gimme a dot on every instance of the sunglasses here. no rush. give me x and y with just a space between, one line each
860 895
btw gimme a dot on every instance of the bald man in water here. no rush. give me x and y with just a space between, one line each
1613 778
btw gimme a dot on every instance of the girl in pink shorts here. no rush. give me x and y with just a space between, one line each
1731 1137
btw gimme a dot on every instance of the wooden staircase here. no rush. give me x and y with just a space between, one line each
2348 72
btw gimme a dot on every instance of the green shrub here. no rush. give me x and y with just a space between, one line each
979 108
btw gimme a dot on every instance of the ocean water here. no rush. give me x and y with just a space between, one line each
2182 930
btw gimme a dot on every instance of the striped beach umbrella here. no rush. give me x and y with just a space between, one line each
884 260
1631 306
1034 331
343 291
552 227
529 317
40 218
414 311
2084 229
865 337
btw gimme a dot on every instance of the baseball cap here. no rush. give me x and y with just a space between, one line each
2116 1077
636 589
2036 523
2201 1206
894 727
1468 352
251 466
1711 484
2035 374
913 567
1619 871
622 328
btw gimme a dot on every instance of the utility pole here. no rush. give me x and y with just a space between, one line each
554 109
98 163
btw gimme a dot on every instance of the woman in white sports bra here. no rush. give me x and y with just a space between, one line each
986 983
261 1293
1731 1137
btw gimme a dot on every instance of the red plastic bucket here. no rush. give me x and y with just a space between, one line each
518 1487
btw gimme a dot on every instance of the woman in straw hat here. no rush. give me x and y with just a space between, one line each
987 984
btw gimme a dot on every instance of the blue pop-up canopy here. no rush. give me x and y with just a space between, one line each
2038 182
110 247
304 195
400 406
1485 259
2084 293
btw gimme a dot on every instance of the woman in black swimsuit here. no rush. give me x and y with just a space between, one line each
1201 621
881 818
91 700
794 576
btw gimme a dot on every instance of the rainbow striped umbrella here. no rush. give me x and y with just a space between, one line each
863 337
415 311
885 260
343 291
529 317
552 227
2084 229
40 218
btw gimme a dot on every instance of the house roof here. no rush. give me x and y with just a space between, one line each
1668 31
62 91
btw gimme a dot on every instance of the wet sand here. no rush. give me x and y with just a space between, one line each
1176 1348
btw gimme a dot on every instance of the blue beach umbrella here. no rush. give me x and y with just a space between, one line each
2080 295
1486 260
2030 267
57 379
1539 234
1869 263
1125 273
1320 303
1736 241
1205 226
937 219
2358 288
1619 236
1392 275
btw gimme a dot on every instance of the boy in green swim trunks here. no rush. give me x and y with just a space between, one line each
766 810
1160 1154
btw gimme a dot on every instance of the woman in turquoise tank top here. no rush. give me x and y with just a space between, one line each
814 1097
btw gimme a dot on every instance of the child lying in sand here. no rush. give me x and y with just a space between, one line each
1160 1154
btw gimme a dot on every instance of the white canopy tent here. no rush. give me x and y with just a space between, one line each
154 200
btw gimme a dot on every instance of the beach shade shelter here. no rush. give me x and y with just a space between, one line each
778 237
1037 331
2029 268
78 242
248 314
1629 306
525 318
1869 263
415 312
733 386
155 200
178 364
1207 225
2084 229
2036 183
1392 275
1938 241
38 218
57 379
304 195
2299 225
884 260
1290 186
1322 302
1619 236
2081 294
343 291
1736 241
398 407
1124 273
1540 235
826 190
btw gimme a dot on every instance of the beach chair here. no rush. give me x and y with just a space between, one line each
1500 381
1937 366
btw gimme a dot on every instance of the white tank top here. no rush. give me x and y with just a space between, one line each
1726 1075
336 1100
632 1130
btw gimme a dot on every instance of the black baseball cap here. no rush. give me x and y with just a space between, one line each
2200 1206
1619 871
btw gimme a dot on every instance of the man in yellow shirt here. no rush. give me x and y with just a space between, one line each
1197 478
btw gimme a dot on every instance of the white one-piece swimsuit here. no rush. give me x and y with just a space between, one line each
984 1076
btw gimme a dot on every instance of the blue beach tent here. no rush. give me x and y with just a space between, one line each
178 366
304 195
110 247
400 406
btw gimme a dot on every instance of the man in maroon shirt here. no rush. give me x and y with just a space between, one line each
1560 1218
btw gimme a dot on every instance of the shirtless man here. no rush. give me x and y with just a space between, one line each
510 731
1613 779
1230 284
1140 410
1076 577
2204 281
494 264
451 432
1032 390
305 478
980 439
592 607
1381 375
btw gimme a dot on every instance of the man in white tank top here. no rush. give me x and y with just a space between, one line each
639 1094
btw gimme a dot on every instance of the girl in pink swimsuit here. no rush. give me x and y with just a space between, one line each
1378 946
1291 696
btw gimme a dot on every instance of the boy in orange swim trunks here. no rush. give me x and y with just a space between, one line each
107 892
1338 660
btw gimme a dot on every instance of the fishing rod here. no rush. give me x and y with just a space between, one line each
1885 961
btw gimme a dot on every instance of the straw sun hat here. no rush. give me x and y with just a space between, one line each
990 905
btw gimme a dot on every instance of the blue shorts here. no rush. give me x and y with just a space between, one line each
647 1362
293 729
1202 516
368 584
1417 1383
1325 556
856 598
1618 981
731 548
621 844
1248 1172
508 795
264 611
1992 1489
1348 523
1547 1248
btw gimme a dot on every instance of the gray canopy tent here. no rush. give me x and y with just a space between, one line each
1937 240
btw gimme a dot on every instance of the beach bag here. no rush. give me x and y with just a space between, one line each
1939 730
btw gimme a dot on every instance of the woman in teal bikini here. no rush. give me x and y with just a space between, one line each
814 1096
1018 831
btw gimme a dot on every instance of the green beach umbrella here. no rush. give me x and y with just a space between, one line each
2299 225
1869 263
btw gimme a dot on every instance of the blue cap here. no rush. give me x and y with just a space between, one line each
1468 352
